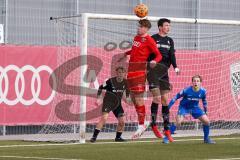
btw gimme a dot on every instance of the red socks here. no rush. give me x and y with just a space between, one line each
141 114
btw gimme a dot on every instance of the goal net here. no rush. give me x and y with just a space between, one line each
208 48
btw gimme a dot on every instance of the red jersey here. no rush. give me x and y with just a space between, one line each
142 47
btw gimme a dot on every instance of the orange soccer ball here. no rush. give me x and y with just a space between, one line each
141 10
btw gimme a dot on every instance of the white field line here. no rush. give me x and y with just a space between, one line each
159 140
146 141
39 158
225 159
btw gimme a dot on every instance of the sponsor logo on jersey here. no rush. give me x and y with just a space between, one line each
163 46
193 99
118 90
136 43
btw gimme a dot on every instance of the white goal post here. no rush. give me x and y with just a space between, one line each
84 46
86 16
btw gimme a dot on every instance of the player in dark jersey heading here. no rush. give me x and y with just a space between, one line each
115 87
158 78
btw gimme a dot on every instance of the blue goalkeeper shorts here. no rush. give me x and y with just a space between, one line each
196 112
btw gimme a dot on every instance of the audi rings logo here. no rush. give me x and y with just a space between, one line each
36 85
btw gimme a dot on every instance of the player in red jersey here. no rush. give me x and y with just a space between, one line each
143 45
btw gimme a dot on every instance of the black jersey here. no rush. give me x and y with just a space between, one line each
166 47
112 86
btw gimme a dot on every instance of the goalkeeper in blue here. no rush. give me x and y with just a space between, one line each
190 105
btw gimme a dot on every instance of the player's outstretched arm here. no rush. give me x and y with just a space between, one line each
99 92
158 55
99 95
154 49
174 99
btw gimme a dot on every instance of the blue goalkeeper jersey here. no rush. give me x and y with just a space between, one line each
190 98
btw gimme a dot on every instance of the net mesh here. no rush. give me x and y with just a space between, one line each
213 51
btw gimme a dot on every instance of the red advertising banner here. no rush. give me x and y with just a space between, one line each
25 94
27 97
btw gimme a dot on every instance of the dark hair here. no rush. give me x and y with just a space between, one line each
163 20
120 68
145 23
197 76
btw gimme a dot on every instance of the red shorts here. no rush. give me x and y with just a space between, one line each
136 81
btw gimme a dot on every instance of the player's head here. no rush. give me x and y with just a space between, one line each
143 26
196 82
164 25
120 72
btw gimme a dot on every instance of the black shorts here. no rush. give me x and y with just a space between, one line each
158 77
115 107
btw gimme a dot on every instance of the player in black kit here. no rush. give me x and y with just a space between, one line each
158 78
115 87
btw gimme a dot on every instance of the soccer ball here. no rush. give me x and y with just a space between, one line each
141 10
